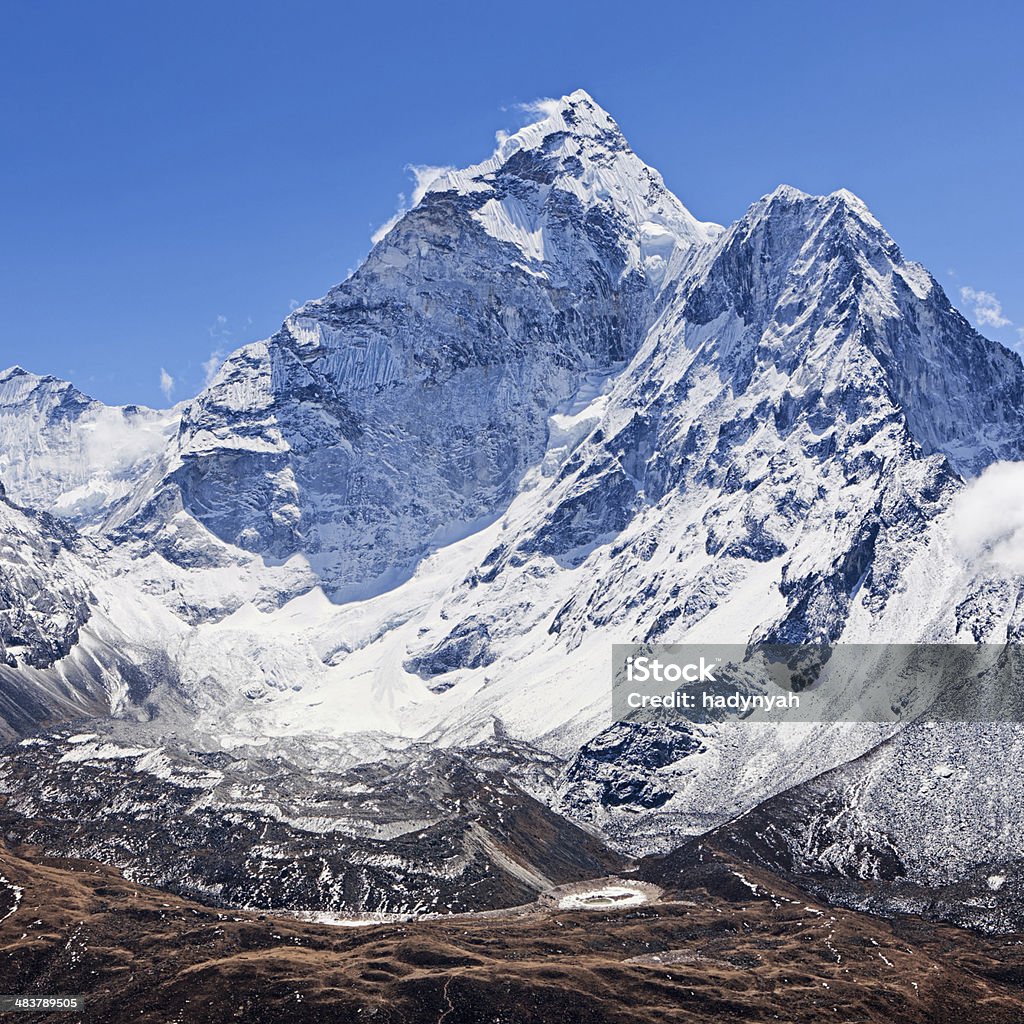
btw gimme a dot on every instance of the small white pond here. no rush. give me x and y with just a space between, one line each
600 899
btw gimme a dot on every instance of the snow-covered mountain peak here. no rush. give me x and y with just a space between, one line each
791 247
575 148
431 369
852 200
820 288
574 125
784 192
64 452
576 113
812 210
17 384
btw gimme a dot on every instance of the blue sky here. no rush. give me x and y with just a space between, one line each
177 175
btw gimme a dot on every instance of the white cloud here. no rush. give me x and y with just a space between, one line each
391 221
988 518
541 108
212 365
219 328
423 176
224 337
988 310
166 383
114 449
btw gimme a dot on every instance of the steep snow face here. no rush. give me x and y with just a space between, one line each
409 402
67 453
759 469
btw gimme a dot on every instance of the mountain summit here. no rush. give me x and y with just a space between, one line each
577 148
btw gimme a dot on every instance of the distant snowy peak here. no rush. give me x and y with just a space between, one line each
18 387
576 148
63 452
816 280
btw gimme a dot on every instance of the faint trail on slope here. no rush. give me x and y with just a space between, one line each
448 1000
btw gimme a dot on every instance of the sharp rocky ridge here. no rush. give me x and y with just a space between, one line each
552 410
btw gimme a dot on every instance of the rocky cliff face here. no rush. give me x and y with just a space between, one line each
926 823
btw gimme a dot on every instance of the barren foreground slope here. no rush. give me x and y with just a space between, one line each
729 944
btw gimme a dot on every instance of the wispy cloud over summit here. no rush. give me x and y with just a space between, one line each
423 175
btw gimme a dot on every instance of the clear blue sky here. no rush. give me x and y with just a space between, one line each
175 175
